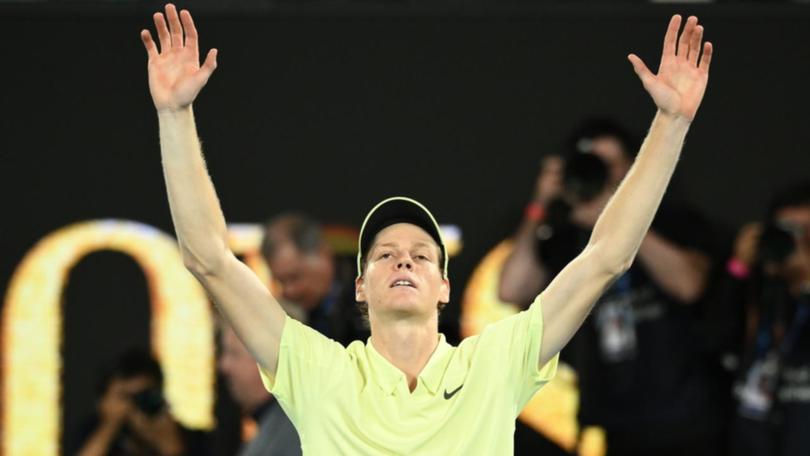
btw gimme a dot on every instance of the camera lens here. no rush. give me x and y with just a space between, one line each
149 401
776 244
585 177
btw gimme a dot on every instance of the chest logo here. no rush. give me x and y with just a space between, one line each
452 393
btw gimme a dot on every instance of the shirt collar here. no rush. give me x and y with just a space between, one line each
387 375
434 370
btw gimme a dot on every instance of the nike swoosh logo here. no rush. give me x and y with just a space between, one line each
452 393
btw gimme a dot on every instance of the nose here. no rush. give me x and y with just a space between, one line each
405 263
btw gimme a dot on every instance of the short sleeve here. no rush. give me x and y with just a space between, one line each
513 346
309 364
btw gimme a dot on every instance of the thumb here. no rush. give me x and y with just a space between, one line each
644 73
208 67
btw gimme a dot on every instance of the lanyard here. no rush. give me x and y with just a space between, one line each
764 335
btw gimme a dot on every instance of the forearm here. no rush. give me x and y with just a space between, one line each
680 272
522 274
621 227
175 79
195 209
98 444
201 230
166 437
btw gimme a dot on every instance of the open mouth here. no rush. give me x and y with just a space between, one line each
403 283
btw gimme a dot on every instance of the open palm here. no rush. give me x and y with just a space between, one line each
679 86
175 74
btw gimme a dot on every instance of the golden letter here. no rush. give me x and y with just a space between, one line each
182 335
553 410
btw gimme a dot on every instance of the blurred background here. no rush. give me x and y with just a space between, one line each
327 107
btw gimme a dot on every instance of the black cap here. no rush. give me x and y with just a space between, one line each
398 209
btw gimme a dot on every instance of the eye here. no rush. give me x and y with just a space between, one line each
384 256
422 258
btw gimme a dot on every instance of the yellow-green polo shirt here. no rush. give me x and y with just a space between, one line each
352 401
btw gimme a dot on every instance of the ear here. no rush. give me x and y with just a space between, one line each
444 291
359 289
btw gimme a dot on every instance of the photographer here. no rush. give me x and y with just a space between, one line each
132 415
769 280
643 373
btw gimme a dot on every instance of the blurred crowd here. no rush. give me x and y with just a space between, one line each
701 348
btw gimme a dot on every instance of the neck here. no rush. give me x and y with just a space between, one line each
407 344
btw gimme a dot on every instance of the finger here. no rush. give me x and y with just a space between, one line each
191 31
706 58
174 25
149 44
671 36
553 163
163 32
207 67
694 45
641 70
686 36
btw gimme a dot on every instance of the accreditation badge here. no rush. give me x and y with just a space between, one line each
616 327
758 392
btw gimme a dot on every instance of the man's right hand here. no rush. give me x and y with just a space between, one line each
115 406
175 74
747 244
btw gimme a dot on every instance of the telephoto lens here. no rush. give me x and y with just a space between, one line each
150 401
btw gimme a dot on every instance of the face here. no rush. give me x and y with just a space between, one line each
403 276
797 220
611 151
240 372
305 278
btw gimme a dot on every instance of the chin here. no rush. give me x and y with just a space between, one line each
405 307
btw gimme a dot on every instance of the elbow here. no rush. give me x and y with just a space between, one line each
689 296
506 290
506 294
690 290
196 268
611 265
206 265
623 266
618 268
518 288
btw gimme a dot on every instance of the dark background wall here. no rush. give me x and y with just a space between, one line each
330 111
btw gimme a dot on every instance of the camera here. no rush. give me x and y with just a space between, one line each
776 244
149 401
584 178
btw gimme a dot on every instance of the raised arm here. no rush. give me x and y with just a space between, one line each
677 90
523 274
175 79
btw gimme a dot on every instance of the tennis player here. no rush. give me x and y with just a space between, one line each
406 390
